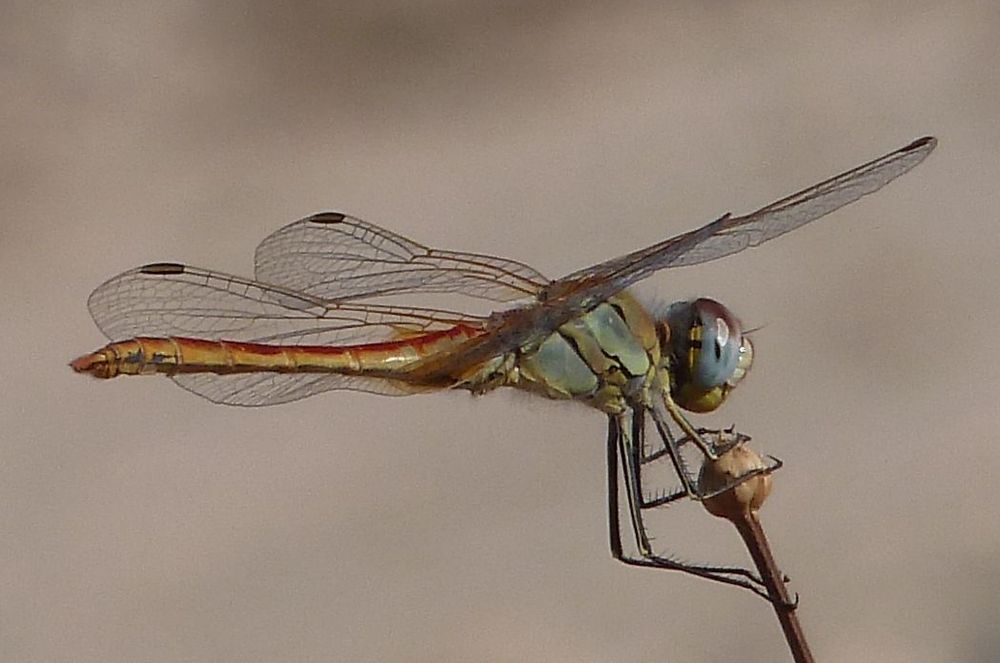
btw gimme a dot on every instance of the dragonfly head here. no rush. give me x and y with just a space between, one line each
707 353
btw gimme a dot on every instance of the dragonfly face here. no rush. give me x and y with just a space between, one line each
708 353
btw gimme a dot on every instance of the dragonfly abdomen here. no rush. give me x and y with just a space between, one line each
174 355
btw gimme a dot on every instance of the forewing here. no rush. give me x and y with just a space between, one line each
580 291
168 299
729 235
333 256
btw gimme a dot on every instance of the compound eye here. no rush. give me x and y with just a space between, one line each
716 343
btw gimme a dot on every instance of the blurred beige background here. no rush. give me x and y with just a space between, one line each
140 523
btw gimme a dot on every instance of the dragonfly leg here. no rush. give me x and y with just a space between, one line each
619 446
664 450
663 500
690 431
672 448
726 439
631 432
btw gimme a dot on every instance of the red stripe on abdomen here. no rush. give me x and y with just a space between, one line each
171 355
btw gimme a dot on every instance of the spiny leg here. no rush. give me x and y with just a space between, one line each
672 448
731 576
614 524
617 447
663 500
631 431
724 441
671 408
665 449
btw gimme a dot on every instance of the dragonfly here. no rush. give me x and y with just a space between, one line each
315 318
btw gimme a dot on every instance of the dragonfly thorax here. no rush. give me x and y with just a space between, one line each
619 354
706 352
607 357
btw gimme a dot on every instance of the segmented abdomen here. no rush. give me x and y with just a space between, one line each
173 355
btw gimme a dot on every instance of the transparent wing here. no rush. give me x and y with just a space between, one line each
167 299
257 389
333 256
729 235
580 291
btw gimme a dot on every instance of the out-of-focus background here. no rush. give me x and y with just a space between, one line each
140 523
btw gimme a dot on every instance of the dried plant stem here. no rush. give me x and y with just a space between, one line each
739 504
750 529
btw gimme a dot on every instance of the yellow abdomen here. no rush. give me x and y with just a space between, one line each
173 355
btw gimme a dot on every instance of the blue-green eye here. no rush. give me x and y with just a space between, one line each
708 345
716 340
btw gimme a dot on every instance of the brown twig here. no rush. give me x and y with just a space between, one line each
739 505
752 532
